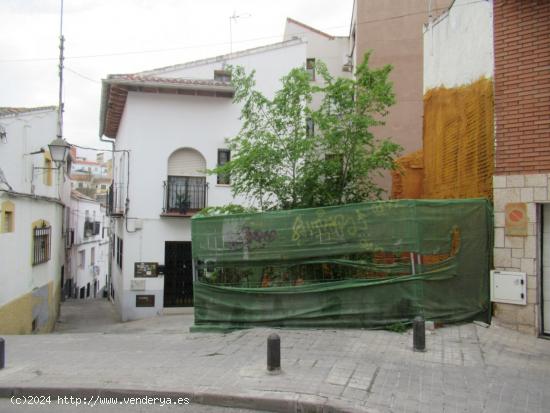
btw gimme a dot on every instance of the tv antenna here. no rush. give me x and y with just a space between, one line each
232 19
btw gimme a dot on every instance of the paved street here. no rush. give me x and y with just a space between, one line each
467 368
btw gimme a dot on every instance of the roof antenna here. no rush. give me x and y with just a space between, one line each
232 18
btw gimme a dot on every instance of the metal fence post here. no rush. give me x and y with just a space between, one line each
274 353
2 353
419 334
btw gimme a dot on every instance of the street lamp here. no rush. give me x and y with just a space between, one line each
59 149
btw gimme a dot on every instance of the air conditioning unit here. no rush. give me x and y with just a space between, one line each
508 287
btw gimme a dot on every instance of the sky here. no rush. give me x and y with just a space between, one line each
124 36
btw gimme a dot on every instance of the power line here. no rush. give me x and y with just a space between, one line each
81 75
139 52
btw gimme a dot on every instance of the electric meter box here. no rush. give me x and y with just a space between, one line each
508 287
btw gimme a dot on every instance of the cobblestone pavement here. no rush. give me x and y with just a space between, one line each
467 368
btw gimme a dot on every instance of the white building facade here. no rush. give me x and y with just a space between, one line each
88 242
32 198
169 126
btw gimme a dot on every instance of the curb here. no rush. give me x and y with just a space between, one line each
269 401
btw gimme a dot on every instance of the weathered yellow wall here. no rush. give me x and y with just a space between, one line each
16 316
458 141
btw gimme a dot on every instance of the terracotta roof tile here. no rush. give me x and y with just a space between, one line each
5 111
166 80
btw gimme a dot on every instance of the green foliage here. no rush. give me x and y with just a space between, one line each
397 327
279 164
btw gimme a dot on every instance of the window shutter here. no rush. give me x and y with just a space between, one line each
186 162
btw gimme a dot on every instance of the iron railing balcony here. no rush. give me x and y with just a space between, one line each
184 196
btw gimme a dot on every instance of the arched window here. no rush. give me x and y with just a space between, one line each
7 217
186 183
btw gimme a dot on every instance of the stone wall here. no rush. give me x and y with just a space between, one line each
519 253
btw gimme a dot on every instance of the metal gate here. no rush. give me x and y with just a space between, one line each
178 276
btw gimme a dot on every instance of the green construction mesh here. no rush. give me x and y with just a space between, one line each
360 265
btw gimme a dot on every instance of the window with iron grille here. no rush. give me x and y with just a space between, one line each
41 244
185 193
224 156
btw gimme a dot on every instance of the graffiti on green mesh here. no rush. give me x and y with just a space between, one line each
326 228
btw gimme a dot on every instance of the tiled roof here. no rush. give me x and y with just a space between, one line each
116 88
104 180
82 162
6 111
83 178
155 80
221 58
79 195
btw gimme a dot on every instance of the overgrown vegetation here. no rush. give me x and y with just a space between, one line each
290 154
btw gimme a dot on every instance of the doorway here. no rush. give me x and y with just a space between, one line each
178 274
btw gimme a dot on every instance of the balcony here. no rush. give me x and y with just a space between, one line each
184 196
115 200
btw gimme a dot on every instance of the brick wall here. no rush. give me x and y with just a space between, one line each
522 86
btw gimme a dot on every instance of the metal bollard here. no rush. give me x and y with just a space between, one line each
2 353
273 353
419 334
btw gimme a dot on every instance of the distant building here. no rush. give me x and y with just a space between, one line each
88 248
33 193
91 178
393 31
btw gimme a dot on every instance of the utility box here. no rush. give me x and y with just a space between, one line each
508 287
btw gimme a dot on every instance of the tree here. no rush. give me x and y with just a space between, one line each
281 163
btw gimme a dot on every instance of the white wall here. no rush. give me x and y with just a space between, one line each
270 66
29 132
25 133
17 274
333 52
458 46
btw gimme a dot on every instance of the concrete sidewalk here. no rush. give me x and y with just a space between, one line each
466 368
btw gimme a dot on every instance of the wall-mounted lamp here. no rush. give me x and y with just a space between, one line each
59 149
